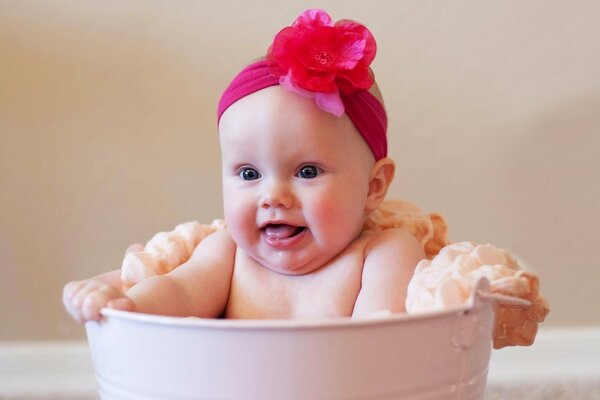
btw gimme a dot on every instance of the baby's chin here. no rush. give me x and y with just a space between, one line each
288 263
284 266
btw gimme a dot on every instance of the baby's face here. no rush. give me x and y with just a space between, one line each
295 180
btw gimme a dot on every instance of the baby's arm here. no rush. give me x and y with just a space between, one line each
391 258
199 287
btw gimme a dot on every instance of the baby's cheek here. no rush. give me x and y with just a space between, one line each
240 217
234 213
341 211
332 214
326 211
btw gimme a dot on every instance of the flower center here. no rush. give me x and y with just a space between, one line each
323 58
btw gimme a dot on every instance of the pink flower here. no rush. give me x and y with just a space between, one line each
319 59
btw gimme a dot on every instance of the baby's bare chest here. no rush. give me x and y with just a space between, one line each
331 291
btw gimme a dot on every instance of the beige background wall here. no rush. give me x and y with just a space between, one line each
107 131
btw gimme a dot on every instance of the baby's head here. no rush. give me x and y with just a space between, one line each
303 168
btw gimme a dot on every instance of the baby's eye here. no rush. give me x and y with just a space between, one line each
249 174
308 172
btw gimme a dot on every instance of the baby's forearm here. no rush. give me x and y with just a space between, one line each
161 295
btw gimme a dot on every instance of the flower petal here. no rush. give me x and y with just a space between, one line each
370 45
356 79
313 17
287 83
330 102
315 81
279 51
349 52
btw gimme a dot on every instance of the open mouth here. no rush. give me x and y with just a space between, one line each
276 232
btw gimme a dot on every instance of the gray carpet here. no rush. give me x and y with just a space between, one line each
552 390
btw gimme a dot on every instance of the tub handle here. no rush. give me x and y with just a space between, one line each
504 299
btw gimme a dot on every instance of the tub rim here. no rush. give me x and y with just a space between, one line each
479 295
281 324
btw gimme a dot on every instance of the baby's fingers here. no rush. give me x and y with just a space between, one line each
71 292
96 300
70 289
84 299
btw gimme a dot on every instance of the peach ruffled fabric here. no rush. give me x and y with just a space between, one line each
430 229
449 278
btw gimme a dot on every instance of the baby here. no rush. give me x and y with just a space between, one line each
304 161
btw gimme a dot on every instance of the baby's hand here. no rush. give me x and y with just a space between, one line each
84 299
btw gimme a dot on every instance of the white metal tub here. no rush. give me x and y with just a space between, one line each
439 355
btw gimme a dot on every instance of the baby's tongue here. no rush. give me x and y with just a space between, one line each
280 231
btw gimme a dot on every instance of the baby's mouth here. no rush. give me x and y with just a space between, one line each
281 231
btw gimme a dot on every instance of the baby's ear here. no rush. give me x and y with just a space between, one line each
380 178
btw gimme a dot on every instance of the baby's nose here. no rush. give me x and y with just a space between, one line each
277 194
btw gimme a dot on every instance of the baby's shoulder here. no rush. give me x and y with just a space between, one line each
391 239
215 246
391 256
392 246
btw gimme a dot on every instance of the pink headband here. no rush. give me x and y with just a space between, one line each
338 81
